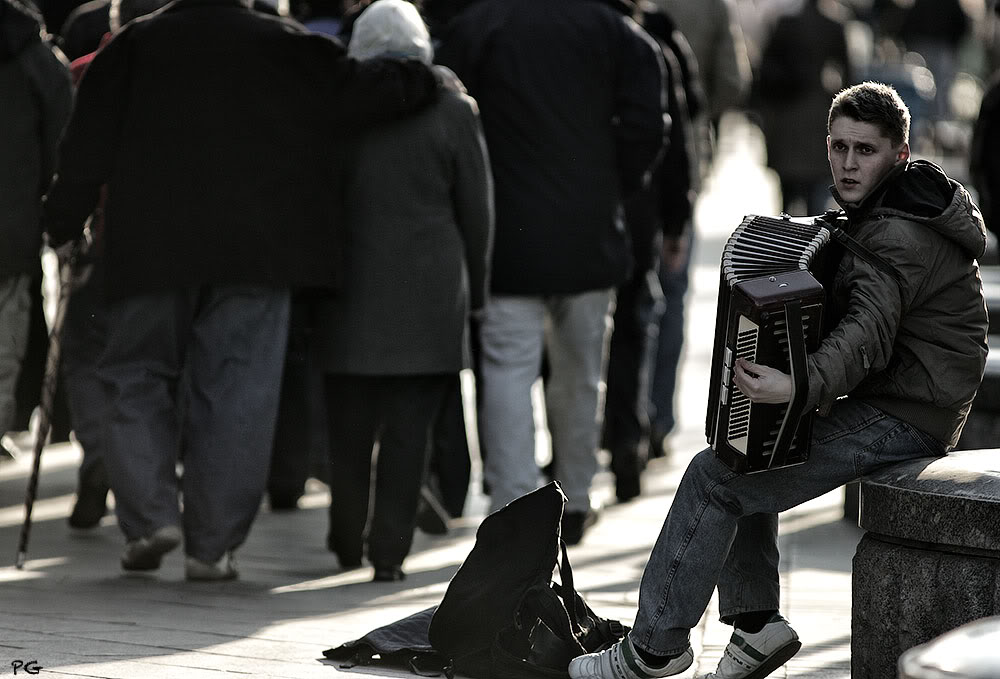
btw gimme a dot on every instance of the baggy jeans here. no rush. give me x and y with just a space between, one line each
228 342
722 527
575 330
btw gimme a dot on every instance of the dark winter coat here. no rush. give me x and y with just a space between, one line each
419 219
917 349
984 155
571 95
216 130
37 97
805 63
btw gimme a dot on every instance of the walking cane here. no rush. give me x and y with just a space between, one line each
67 272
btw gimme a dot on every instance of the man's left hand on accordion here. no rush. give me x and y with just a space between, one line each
762 384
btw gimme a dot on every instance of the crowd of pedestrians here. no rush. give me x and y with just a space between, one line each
299 235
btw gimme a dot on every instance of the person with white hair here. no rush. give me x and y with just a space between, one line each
217 131
419 216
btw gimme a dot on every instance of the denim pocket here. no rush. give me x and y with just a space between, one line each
928 443
900 443
848 416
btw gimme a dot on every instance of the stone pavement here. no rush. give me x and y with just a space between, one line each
73 613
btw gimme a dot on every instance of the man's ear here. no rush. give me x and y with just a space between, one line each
904 153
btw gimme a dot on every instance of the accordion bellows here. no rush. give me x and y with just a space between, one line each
770 312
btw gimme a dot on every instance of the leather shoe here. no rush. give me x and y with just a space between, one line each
388 573
90 507
146 553
575 524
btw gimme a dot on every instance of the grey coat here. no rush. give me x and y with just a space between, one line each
419 227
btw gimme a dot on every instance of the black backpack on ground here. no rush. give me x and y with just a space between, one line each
503 616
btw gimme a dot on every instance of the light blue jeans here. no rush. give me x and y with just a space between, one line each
575 330
722 528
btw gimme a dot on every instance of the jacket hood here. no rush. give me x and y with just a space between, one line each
20 26
920 191
391 28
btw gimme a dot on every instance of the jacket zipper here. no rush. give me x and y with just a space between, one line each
864 358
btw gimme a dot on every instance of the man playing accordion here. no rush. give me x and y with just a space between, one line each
892 380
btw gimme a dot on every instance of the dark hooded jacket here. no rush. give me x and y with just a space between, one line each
916 348
572 101
36 102
217 130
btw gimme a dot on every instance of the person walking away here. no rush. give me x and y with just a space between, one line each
984 155
213 213
656 214
893 380
84 328
804 63
573 112
723 70
419 215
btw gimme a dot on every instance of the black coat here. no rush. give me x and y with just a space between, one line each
572 104
215 128
35 101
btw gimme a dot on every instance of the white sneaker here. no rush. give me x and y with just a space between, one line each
622 662
755 656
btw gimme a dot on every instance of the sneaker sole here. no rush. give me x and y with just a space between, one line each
776 660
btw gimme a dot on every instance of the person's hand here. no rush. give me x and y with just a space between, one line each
762 384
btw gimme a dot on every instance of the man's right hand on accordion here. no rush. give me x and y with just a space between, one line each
761 383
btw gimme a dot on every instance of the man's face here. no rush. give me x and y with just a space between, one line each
860 156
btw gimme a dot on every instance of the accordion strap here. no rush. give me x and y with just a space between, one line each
852 244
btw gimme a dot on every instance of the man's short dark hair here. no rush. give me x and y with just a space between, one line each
875 103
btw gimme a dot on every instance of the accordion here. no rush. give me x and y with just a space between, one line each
770 312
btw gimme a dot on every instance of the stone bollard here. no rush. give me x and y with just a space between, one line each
930 559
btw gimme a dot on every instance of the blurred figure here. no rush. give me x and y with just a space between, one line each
716 39
85 326
37 99
984 155
803 65
573 110
419 220
723 74
201 248
934 29
656 214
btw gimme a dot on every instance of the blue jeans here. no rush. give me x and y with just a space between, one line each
228 345
670 341
721 529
